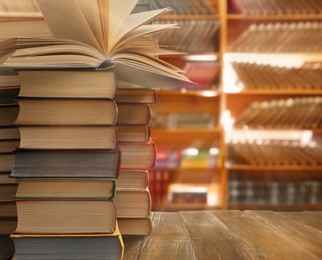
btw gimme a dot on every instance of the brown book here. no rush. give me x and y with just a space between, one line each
134 203
7 191
67 83
8 94
66 163
66 112
136 95
65 216
8 209
66 188
135 226
7 146
6 162
133 179
7 225
56 246
132 133
133 114
9 132
68 137
137 156
8 114
5 178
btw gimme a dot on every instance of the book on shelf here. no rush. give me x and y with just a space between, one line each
159 184
66 112
275 7
65 215
133 133
184 7
69 246
188 194
137 156
266 76
194 36
203 73
133 203
66 188
274 152
278 37
129 179
68 137
290 113
66 163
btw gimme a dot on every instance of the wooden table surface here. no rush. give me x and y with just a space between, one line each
230 234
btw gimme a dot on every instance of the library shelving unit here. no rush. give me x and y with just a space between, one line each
280 175
185 122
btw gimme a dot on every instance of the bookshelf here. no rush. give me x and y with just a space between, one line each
287 183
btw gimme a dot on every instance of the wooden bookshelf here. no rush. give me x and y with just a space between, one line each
237 98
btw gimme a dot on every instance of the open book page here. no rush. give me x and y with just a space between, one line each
66 21
118 14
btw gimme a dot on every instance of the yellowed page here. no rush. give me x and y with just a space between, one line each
66 21
118 14
137 19
91 12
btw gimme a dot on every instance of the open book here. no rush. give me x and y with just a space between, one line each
94 34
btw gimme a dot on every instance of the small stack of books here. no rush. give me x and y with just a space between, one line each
138 153
9 141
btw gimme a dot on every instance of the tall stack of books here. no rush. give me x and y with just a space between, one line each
9 141
67 161
138 153
68 157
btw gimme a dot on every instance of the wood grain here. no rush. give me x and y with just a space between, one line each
169 239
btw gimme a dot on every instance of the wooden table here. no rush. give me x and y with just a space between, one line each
230 234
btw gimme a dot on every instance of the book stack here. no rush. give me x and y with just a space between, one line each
9 141
138 153
291 113
183 7
304 37
67 162
275 153
68 157
193 36
262 76
275 7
